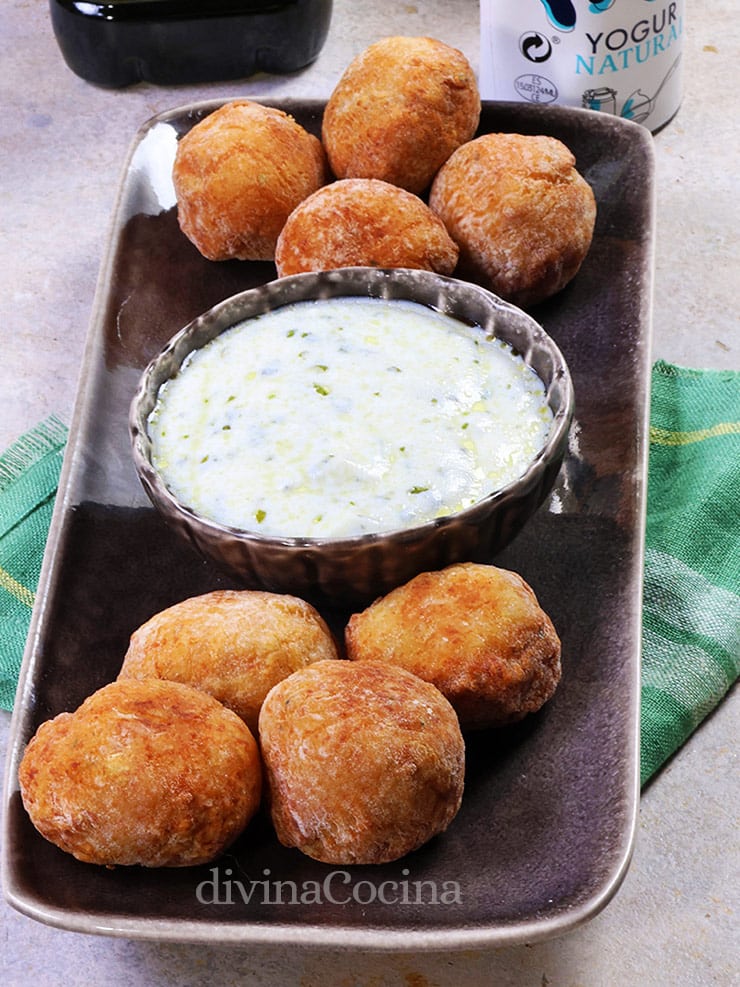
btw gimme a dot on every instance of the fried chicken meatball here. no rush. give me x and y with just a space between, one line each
367 223
475 631
521 214
152 773
238 174
364 761
233 644
399 110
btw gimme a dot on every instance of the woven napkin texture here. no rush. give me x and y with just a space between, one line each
691 614
691 623
29 474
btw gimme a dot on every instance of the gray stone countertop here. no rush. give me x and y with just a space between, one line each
62 147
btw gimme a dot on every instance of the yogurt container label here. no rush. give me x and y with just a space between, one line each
618 56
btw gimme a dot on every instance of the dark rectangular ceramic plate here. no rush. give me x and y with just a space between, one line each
545 832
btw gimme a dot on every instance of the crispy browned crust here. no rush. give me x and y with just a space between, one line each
364 761
476 631
363 222
399 110
152 773
238 174
233 644
520 212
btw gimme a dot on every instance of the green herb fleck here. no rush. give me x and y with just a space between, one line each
418 490
205 458
320 389
260 515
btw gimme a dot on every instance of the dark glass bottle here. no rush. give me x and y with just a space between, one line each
169 42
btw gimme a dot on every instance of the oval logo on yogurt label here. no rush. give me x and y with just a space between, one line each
536 88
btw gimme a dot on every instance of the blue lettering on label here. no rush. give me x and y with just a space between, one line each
618 56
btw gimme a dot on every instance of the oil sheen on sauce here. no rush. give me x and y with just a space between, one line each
340 417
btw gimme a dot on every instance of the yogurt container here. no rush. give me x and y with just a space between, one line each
618 56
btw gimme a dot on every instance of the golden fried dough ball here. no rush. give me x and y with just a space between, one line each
399 110
363 222
521 214
238 174
476 631
364 761
152 773
233 644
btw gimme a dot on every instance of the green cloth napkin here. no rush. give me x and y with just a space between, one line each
29 474
691 624
691 614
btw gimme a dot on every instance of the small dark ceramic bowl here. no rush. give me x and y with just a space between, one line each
351 572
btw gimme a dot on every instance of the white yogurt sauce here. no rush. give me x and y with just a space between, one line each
345 416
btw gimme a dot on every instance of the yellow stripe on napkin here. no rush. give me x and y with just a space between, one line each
665 437
16 589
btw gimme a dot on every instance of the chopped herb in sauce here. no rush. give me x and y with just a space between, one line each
401 384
